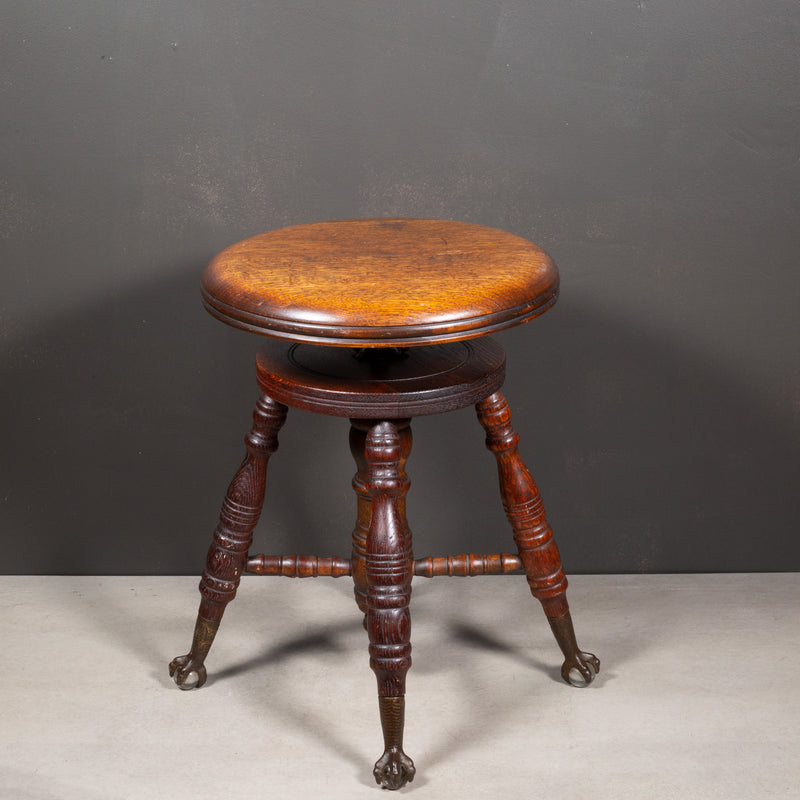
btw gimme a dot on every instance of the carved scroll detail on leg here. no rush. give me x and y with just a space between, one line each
389 569
532 534
233 537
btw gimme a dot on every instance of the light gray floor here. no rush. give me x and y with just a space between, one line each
698 696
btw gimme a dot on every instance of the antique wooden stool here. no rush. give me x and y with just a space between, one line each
382 318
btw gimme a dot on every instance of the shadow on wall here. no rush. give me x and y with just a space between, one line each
124 422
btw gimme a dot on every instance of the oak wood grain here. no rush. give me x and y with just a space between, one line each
380 282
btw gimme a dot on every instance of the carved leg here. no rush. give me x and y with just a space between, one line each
232 539
358 439
534 539
389 568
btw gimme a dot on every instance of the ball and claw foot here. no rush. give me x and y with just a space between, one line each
187 672
394 769
580 669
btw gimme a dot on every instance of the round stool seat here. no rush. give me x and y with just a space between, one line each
380 282
423 380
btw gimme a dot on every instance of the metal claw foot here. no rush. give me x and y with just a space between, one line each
187 672
394 769
580 669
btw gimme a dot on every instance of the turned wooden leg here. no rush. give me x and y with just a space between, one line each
389 566
232 539
358 440
534 538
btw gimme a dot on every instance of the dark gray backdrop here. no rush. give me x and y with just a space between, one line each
652 148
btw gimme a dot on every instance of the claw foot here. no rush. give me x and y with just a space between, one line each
580 669
394 769
188 672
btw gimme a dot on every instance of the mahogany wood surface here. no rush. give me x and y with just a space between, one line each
389 567
380 282
524 508
464 565
467 565
421 380
233 536
358 443
295 566
534 538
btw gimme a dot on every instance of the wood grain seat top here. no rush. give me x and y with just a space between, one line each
380 282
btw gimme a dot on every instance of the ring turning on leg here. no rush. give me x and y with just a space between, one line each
358 440
389 566
534 538
232 539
